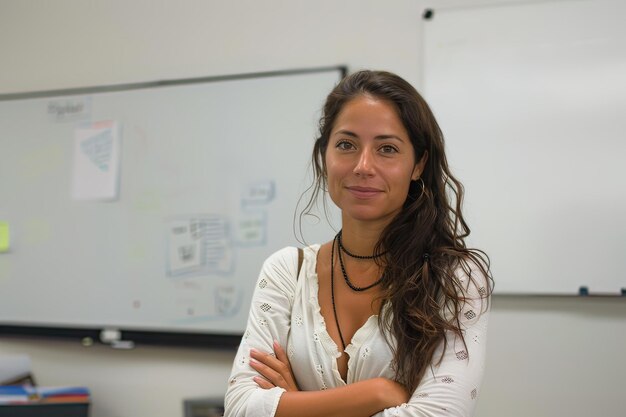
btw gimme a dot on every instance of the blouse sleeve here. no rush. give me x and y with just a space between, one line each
269 319
451 388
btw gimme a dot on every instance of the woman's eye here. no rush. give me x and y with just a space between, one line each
344 145
388 149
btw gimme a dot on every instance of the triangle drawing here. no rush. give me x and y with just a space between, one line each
98 149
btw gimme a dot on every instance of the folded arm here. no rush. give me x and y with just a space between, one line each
359 399
269 321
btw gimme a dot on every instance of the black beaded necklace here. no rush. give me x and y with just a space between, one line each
343 268
337 240
353 255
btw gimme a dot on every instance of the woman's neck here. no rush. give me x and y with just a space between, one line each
359 238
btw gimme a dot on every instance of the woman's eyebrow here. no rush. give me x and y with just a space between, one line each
347 133
379 137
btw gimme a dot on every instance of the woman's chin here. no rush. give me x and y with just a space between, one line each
374 216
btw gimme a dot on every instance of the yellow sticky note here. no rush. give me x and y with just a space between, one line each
4 237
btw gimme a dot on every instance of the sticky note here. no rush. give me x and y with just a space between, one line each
4 237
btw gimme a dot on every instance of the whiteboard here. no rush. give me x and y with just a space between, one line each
201 182
532 102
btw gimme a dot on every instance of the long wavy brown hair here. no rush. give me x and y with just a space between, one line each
424 244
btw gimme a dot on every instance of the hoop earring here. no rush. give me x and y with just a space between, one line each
418 188
422 186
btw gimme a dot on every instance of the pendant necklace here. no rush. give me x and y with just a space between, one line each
332 292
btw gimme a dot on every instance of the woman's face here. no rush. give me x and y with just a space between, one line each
370 161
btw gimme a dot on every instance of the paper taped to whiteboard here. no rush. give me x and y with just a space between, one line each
96 161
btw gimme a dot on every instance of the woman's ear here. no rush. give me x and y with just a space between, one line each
419 167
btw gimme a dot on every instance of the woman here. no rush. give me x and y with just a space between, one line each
390 316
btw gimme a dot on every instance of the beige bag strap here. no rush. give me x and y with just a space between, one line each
300 258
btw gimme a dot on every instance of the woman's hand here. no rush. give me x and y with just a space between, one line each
275 370
392 393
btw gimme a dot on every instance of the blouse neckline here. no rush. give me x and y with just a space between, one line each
360 336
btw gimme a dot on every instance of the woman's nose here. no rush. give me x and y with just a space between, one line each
365 163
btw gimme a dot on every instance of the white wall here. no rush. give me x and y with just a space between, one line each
547 356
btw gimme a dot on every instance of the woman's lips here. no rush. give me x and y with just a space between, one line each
363 192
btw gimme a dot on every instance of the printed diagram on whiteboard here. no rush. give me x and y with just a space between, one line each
199 246
202 253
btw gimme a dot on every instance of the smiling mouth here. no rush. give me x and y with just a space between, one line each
363 192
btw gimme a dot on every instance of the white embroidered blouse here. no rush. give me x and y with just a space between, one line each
286 309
